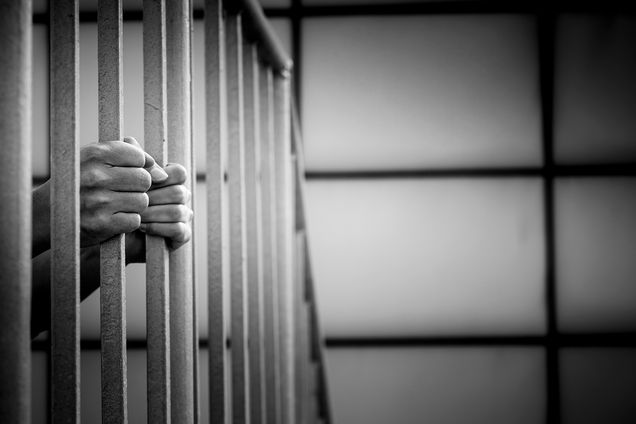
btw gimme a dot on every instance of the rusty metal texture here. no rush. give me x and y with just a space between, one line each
179 75
216 220
253 232
270 257
113 296
65 215
285 227
15 211
157 278
236 184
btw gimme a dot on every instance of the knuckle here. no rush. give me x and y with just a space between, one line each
102 224
94 178
95 200
92 152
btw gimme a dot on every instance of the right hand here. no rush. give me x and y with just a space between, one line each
114 179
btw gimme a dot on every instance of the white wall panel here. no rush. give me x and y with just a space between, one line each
595 89
437 385
596 252
417 257
598 385
420 91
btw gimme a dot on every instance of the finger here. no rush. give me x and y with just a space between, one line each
167 213
174 194
127 179
126 154
114 201
124 222
157 174
177 174
176 232
129 202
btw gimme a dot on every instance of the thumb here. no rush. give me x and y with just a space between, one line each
158 175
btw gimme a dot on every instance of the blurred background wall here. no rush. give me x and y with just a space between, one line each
471 201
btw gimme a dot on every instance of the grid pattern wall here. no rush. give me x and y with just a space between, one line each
471 200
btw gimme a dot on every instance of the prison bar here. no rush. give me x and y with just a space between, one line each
236 186
112 255
15 211
256 221
285 226
157 259
253 230
65 218
270 257
179 73
216 219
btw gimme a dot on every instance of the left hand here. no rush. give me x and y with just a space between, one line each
168 215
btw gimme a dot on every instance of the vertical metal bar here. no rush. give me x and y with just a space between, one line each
317 348
284 213
270 271
15 211
215 137
316 394
302 354
194 241
65 263
253 231
157 281
179 72
113 300
236 181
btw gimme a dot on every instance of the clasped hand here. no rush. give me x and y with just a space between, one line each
123 190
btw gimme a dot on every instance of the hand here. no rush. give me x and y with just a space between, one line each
168 214
114 178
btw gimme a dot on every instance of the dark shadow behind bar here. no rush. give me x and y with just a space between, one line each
15 211
112 256
65 212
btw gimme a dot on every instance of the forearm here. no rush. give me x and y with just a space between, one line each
41 221
89 278
41 294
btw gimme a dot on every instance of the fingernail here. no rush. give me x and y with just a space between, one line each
142 227
158 175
